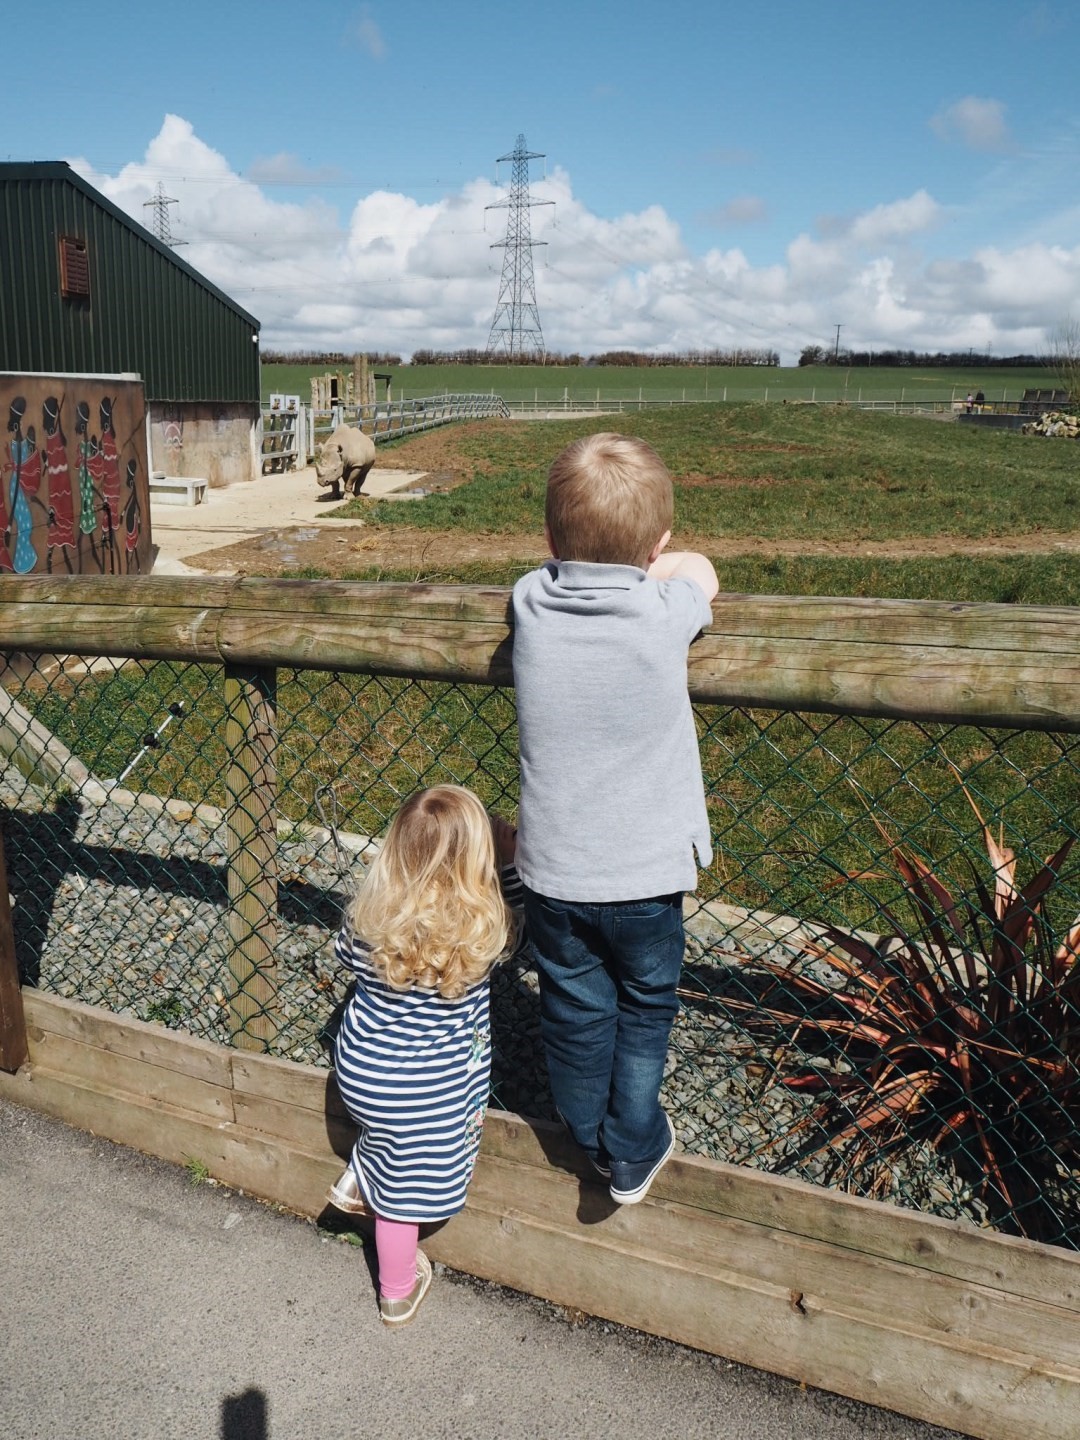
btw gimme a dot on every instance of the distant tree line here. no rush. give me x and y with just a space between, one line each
623 358
323 357
952 360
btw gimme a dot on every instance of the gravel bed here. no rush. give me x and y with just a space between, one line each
126 908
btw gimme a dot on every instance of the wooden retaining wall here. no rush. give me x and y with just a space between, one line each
931 1318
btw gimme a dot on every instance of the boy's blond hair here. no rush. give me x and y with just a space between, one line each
609 500
429 906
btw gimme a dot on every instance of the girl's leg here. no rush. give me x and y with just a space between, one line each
395 1245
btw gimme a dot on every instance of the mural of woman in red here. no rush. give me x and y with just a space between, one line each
61 533
110 482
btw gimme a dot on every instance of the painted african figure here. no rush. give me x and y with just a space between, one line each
132 517
110 483
24 468
88 517
61 501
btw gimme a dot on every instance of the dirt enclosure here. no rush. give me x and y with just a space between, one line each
441 456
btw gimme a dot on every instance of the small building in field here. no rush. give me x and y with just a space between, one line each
86 290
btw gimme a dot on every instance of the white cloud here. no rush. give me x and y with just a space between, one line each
979 124
363 33
392 273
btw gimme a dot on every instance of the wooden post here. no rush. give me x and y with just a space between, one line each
250 783
13 1052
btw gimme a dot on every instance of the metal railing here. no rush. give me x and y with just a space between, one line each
391 420
882 981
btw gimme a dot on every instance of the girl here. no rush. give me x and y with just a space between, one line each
413 1055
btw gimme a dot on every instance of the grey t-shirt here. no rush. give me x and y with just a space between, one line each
612 801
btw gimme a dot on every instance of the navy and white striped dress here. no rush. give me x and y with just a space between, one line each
414 1070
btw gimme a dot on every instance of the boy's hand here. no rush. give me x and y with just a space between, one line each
688 564
505 840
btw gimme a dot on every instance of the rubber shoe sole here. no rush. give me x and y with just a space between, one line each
400 1312
630 1194
345 1194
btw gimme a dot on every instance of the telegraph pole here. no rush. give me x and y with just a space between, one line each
515 328
836 352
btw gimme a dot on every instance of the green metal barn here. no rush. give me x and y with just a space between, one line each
86 290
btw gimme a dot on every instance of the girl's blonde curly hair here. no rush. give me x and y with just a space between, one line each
429 905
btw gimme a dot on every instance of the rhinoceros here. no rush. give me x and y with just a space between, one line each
345 459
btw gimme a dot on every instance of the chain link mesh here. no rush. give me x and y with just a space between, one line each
881 989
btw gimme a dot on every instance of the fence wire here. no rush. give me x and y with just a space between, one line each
881 989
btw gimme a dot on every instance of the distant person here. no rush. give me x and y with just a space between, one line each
980 399
970 402
612 800
413 1055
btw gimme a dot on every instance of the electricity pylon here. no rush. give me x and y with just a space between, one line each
159 223
515 330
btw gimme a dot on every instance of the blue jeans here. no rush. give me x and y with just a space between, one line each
608 974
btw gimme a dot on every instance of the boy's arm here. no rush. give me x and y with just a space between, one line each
689 565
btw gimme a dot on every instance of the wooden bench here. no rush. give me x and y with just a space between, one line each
177 489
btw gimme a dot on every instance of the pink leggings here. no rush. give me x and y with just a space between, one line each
395 1245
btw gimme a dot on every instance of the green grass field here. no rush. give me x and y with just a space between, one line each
785 473
555 384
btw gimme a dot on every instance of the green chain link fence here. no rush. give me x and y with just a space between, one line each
881 989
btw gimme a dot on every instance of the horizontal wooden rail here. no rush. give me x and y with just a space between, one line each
1007 665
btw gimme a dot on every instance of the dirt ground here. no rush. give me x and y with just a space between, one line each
427 553
348 546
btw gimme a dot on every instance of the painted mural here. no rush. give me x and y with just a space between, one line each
74 496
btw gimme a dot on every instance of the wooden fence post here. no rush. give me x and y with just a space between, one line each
13 1051
251 787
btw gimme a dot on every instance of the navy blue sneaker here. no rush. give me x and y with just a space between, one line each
630 1179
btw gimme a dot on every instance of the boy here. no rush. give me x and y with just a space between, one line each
612 801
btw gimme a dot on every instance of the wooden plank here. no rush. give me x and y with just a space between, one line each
915 682
13 1040
935 1378
251 787
91 1067
926 623
296 1125
1019 1267
826 1276
308 1087
168 1050
992 664
384 645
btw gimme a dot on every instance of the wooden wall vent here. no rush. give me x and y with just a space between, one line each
74 268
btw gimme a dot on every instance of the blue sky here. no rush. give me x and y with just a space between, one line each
750 174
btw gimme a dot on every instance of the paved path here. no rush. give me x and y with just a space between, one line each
244 512
134 1305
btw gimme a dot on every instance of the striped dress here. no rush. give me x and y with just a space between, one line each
414 1071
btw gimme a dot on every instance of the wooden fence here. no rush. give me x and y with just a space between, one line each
929 1317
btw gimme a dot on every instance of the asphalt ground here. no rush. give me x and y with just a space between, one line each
135 1303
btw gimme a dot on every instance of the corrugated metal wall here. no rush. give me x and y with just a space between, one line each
148 312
